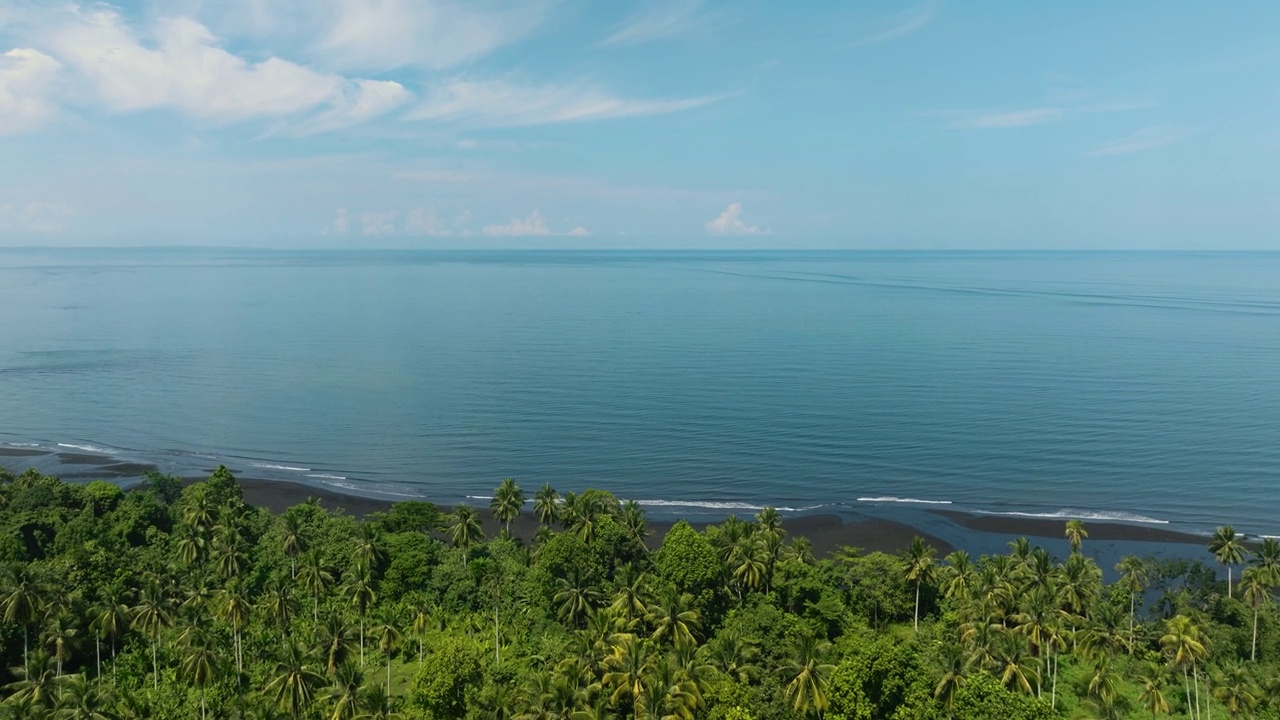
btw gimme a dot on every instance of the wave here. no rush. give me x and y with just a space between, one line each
366 491
889 499
1083 515
479 497
324 476
88 448
270 466
716 505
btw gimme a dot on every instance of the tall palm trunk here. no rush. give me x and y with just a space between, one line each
362 640
1132 600
155 665
917 619
1253 648
113 660
388 674
1228 582
1195 682
1185 686
97 651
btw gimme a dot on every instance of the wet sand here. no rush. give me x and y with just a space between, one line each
22 452
1054 528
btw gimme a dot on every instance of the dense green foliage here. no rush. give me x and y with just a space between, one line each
182 602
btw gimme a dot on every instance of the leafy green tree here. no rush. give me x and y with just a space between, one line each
464 528
546 503
806 674
1228 549
23 601
1133 577
199 661
1256 592
152 615
446 685
293 541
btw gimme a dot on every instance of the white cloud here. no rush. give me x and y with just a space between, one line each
1145 139
1012 119
532 225
43 218
424 221
184 69
903 23
730 223
579 232
26 79
659 20
378 223
341 223
385 34
497 102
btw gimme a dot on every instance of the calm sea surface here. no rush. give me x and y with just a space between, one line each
1134 386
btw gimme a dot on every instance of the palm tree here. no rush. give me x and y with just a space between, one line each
293 542
422 617
362 593
673 619
806 673
959 576
229 555
507 501
1151 682
198 660
629 601
57 637
732 654
316 577
344 693
546 503
1183 643
1015 670
80 700
1104 687
747 563
37 681
952 678
233 607
368 546
919 569
24 599
577 598
633 522
1228 549
110 620
389 639
280 605
1133 577
334 641
1076 534
1256 592
376 704
464 529
193 543
1234 688
627 666
152 615
769 522
294 681
1267 559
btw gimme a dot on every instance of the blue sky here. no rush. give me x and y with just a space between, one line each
659 123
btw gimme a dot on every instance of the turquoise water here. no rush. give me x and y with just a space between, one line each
1143 387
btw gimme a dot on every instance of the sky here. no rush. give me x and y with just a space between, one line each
649 124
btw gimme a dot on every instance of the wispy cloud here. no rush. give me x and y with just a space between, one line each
1145 139
1012 118
43 218
502 103
659 20
730 222
532 225
899 25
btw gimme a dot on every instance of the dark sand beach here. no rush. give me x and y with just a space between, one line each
1053 528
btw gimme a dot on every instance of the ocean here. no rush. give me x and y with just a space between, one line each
1139 387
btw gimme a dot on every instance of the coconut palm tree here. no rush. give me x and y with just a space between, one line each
1256 592
57 637
152 615
1015 669
376 704
507 502
344 693
199 660
733 655
1134 576
627 668
280 605
361 593
630 601
193 543
80 700
546 503
1233 687
1183 643
1151 681
769 522
228 552
294 681
1267 559
317 577
918 569
806 674
369 546
1076 534
672 618
389 639
23 601
292 541
958 576
1104 687
232 605
577 598
464 527
952 677
633 521
37 681
747 563
334 641
423 615
1228 549
110 621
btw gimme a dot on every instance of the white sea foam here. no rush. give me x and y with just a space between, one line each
360 491
715 505
88 448
479 497
889 499
324 476
1084 515
270 466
